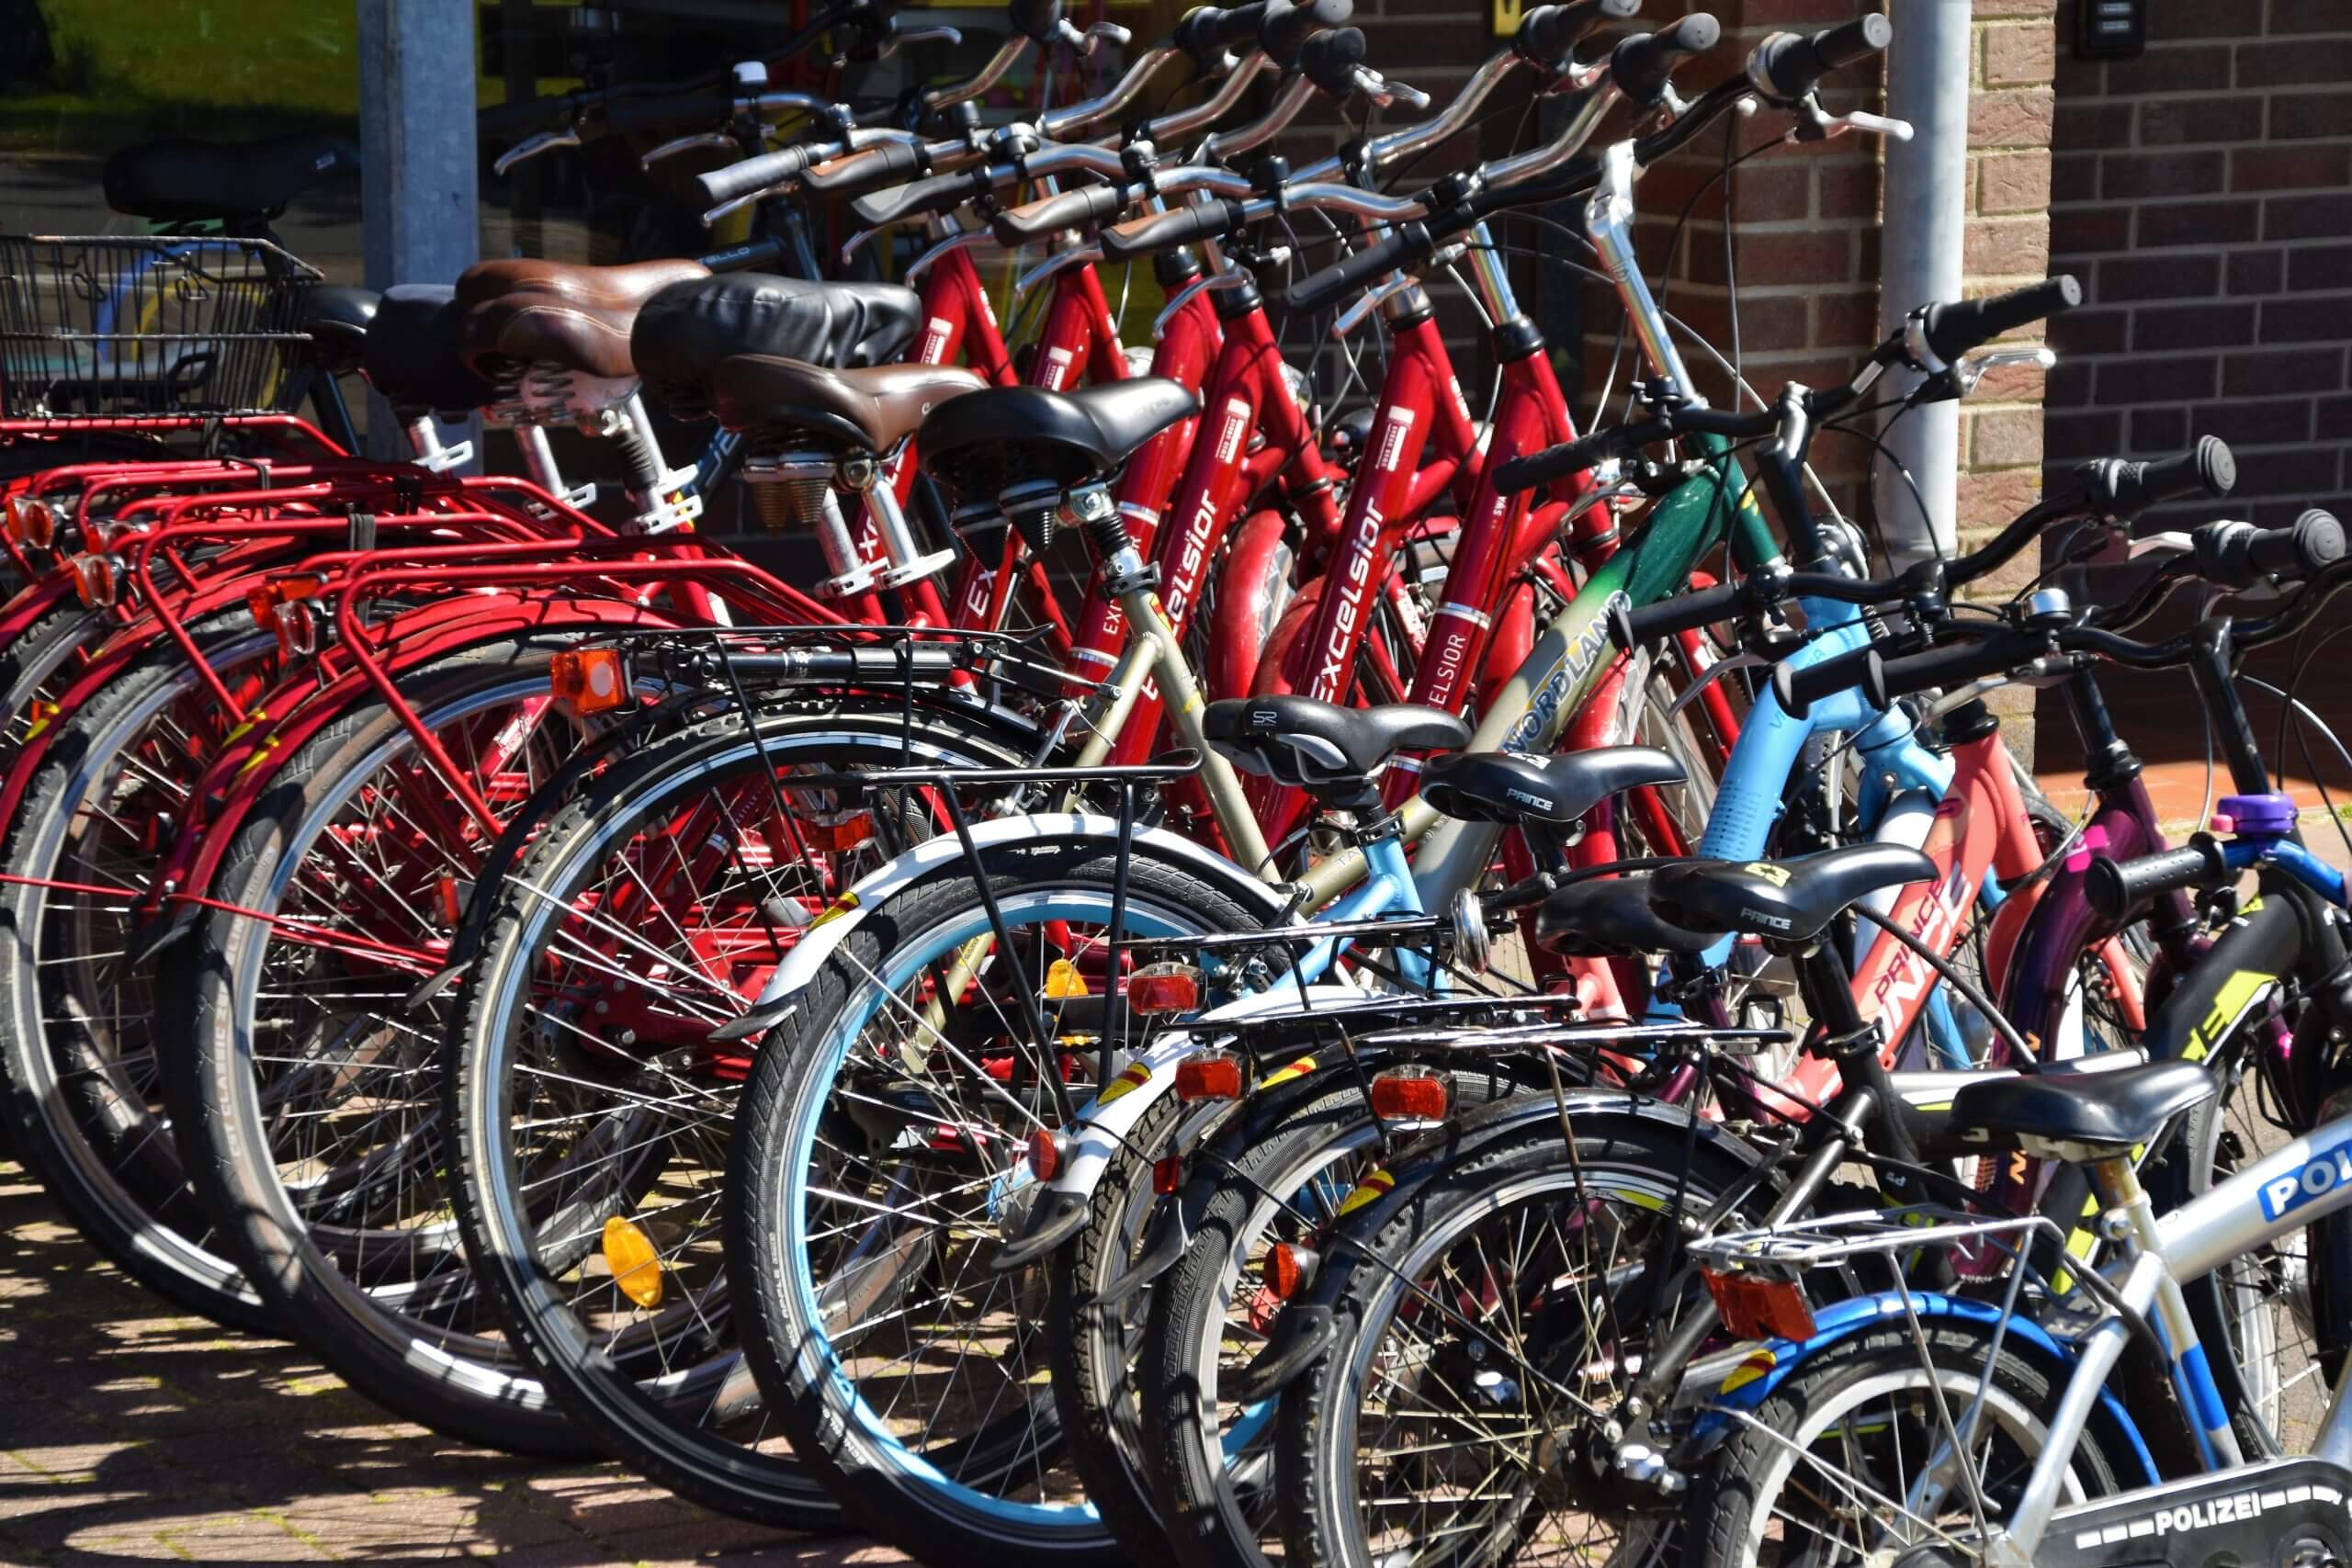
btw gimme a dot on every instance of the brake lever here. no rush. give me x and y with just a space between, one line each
953 242
898 40
532 146
1184 296
1060 261
1819 124
1382 91
684 143
1349 320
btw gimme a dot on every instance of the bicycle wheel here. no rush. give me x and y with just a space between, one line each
877 1134
1485 1327
1211 1457
309 1088
563 1127
77 1039
1815 1475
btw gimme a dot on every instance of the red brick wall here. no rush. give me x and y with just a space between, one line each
2200 193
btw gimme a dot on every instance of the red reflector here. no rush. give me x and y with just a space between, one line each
1404 1094
1168 1175
843 833
1046 1152
1289 1269
1754 1308
96 580
1216 1076
1164 987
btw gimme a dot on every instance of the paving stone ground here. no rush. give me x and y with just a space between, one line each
131 1435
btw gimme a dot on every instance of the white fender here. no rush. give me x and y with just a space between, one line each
1052 832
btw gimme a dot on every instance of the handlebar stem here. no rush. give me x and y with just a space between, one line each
1608 219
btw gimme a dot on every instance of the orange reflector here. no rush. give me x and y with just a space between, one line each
1045 1150
841 834
1164 987
1168 1175
1411 1094
593 680
1757 1308
1063 981
96 580
637 1266
1214 1075
31 521
1289 1269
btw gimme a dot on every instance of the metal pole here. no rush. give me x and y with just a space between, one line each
1925 214
419 216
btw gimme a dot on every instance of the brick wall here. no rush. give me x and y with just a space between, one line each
2200 192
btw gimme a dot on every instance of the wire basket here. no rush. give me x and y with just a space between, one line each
120 328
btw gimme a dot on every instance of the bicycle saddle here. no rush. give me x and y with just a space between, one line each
337 319
981 445
411 354
524 312
1510 786
2119 1108
177 179
1310 744
683 332
1601 917
870 410
1788 901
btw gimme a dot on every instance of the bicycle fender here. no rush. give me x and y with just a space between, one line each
1051 831
1755 1375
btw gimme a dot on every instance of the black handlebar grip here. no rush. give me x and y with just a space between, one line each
2305 547
1683 613
669 110
1955 327
1079 208
940 193
752 174
1640 65
1548 33
2115 888
1205 32
2125 489
1794 64
1288 25
889 163
1040 21
1574 456
1329 60
1798 688
1407 244
1166 231
1946 667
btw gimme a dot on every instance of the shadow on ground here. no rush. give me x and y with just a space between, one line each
131 1436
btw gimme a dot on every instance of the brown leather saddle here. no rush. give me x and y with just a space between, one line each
523 311
773 400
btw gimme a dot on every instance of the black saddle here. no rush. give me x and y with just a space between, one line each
982 445
1511 786
1315 745
337 317
1788 901
1601 917
683 332
177 180
2114 1110
412 353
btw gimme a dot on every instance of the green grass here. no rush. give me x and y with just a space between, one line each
125 69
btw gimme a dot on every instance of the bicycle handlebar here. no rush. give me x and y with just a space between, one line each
1790 65
2117 489
1951 327
2114 889
1640 65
